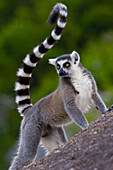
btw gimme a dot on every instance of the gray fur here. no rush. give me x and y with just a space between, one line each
42 123
31 131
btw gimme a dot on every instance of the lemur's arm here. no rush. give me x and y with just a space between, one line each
75 114
70 104
99 104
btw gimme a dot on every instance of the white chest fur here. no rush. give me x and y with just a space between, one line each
82 83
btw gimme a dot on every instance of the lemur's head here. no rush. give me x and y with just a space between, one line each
66 64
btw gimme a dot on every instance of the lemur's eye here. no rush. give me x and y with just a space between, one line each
58 66
67 64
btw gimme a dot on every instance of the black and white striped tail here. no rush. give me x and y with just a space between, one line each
24 73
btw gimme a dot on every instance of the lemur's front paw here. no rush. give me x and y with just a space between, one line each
110 108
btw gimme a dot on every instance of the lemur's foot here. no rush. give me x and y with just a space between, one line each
110 108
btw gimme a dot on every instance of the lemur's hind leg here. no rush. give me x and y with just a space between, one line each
53 137
31 131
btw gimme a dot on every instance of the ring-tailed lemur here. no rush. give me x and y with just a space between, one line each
43 122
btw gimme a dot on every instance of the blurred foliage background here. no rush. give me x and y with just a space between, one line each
89 31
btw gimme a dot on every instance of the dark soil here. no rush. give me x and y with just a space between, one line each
91 149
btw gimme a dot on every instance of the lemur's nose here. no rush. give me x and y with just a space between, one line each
62 72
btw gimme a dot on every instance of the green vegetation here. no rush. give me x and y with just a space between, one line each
89 31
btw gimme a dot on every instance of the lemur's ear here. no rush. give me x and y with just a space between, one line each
52 61
75 57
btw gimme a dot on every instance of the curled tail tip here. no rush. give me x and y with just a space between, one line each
53 15
59 8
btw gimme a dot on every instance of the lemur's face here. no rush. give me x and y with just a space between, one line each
66 64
